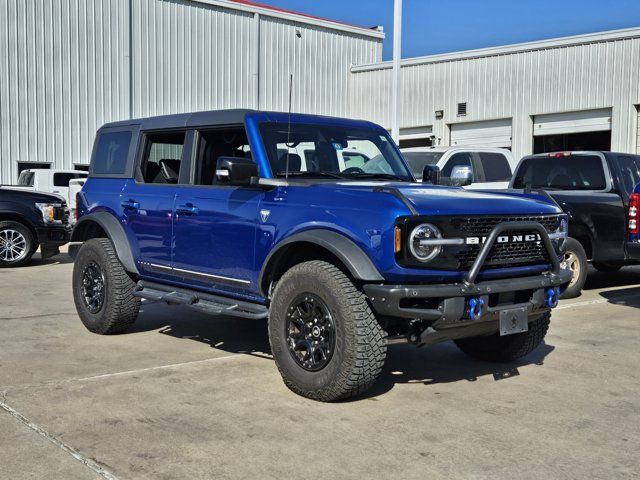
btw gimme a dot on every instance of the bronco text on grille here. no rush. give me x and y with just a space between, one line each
512 249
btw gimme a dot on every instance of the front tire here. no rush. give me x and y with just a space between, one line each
575 258
17 244
495 348
326 341
102 289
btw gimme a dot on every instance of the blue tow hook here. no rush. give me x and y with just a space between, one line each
476 307
553 295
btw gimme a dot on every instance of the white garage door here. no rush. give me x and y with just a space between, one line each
572 122
492 133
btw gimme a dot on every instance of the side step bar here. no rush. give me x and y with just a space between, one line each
205 302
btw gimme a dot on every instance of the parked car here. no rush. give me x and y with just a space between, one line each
75 186
596 190
203 210
51 181
476 168
29 220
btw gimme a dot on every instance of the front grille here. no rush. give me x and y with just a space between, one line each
502 255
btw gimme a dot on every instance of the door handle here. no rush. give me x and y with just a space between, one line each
187 210
130 205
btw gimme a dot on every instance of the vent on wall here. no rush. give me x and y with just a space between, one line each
462 109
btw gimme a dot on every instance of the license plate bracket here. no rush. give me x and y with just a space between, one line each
513 320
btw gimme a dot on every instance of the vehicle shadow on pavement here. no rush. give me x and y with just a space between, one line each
599 280
234 335
628 297
37 260
443 363
405 364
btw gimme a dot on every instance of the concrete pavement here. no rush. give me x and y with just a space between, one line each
189 396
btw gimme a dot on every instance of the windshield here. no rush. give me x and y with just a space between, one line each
417 161
572 172
331 151
26 179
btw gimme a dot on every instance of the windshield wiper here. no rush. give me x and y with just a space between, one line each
385 176
311 174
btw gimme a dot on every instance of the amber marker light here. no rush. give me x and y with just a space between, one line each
398 240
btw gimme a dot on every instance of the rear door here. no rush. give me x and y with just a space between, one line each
147 202
215 223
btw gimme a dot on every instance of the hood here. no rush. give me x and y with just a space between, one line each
435 200
20 193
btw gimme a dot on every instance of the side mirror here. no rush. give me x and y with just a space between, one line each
461 176
431 174
236 171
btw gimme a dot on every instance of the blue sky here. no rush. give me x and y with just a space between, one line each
440 26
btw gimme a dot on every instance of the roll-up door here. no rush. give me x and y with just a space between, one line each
490 133
572 122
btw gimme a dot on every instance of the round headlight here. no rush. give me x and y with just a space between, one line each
420 249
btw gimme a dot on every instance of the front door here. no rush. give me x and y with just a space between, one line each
215 224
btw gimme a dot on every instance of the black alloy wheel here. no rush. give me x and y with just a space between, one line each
93 287
310 332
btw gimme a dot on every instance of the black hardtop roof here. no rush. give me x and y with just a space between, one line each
191 119
212 118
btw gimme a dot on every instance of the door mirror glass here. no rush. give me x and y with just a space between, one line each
236 170
461 175
431 174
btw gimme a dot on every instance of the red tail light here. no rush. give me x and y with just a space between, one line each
634 214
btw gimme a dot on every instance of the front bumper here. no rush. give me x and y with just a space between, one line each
51 238
448 302
446 311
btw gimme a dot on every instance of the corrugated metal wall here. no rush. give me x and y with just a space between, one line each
63 72
66 68
512 85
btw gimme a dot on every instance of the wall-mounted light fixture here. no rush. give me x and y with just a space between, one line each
439 114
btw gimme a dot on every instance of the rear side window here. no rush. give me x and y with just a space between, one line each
111 153
163 155
571 172
629 172
496 167
62 179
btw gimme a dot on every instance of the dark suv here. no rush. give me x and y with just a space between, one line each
218 211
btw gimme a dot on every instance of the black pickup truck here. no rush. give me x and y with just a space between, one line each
29 220
596 190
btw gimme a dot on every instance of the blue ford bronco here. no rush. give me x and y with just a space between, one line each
316 224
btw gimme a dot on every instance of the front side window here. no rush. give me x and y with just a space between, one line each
26 179
495 166
111 154
162 158
213 144
331 151
418 160
570 172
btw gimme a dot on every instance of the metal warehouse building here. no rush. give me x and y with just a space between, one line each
68 66
580 92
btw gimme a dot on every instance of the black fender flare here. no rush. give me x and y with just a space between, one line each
115 232
351 255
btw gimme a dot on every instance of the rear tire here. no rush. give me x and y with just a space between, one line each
576 260
316 303
17 244
607 267
494 348
102 289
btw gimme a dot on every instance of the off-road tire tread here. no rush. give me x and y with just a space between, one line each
121 307
31 243
495 348
365 359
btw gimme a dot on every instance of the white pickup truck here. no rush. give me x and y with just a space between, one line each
53 181
476 168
